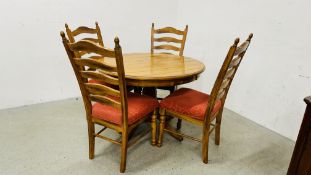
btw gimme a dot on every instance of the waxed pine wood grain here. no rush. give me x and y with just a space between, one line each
158 68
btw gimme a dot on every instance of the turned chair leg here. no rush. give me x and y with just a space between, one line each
123 152
91 130
161 128
154 128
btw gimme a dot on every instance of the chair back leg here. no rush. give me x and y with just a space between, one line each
123 152
217 127
91 132
205 141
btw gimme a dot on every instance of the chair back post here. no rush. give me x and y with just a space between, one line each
69 33
181 52
226 75
218 82
99 35
152 38
122 85
81 81
241 55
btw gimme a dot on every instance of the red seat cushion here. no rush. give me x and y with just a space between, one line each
189 102
138 107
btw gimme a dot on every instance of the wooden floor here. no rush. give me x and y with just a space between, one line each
51 138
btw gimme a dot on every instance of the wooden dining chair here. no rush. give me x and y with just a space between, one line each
165 36
72 34
83 30
179 43
115 109
200 108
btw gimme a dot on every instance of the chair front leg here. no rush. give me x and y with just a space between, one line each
154 128
161 129
123 151
91 133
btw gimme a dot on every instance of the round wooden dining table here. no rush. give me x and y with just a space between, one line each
158 70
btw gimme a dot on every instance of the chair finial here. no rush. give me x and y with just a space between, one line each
152 25
236 41
96 23
66 25
117 41
250 37
62 34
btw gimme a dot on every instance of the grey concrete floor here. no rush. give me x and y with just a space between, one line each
51 138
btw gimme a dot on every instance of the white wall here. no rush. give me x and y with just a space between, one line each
275 75
34 64
268 89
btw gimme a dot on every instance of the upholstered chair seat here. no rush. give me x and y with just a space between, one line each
138 107
189 102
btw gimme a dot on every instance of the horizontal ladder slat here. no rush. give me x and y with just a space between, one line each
169 30
105 100
230 73
242 48
168 39
96 57
101 89
221 94
91 47
83 29
92 63
235 62
167 47
225 83
100 77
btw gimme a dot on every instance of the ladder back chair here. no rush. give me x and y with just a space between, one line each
111 108
200 108
167 46
73 34
168 39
